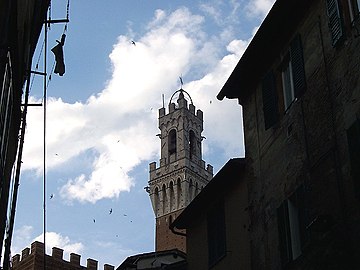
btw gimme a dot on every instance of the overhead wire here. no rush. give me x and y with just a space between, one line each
45 86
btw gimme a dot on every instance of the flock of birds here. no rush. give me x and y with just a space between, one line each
94 220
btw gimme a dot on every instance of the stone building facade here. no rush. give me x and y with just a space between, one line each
182 173
299 85
33 259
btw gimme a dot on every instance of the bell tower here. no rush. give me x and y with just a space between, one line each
182 173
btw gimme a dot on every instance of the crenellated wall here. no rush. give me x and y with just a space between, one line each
33 258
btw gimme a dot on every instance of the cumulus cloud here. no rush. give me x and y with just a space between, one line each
54 239
23 237
259 7
119 123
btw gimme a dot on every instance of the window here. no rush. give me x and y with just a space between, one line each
335 21
191 190
172 196
293 83
163 201
178 190
353 137
172 141
192 144
216 233
292 221
157 199
287 83
354 6
270 100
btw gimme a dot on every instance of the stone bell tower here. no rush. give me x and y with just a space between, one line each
182 173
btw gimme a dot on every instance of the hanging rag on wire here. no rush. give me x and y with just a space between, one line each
59 56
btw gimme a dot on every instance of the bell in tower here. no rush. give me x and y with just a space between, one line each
182 172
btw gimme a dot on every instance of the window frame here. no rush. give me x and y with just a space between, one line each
293 230
354 9
287 81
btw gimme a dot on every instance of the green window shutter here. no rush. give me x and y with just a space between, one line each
284 233
353 136
270 100
297 66
335 21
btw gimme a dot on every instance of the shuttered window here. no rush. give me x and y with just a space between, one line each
293 220
335 21
353 136
270 100
297 66
216 233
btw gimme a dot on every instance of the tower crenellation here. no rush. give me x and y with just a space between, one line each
181 173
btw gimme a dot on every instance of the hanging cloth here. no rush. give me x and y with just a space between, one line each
59 56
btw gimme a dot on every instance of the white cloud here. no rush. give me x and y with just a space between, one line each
120 122
23 237
259 7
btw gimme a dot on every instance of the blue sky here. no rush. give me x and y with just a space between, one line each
102 116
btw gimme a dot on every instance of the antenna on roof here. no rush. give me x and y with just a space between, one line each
181 81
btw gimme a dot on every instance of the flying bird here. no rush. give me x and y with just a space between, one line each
110 211
125 215
133 43
94 220
51 196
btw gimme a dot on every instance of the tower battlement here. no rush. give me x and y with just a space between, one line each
33 258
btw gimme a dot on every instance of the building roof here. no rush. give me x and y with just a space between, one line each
229 174
273 34
155 260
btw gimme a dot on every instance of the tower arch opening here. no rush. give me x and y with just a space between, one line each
163 198
156 199
192 144
178 192
172 142
172 196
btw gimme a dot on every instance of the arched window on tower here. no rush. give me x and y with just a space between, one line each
191 190
172 141
192 144
163 198
178 191
196 189
156 199
172 196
